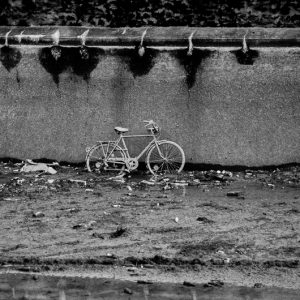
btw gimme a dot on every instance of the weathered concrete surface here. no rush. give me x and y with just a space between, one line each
155 36
232 114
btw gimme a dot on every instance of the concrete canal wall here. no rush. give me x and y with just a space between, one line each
223 106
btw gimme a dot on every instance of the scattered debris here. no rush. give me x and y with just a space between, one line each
11 199
20 181
78 226
38 214
37 194
78 181
73 210
91 223
119 178
167 187
98 235
214 283
15 247
234 194
31 166
147 266
163 196
88 226
147 182
187 283
227 260
212 175
128 291
204 220
132 269
182 183
111 255
144 282
119 232
293 211
194 182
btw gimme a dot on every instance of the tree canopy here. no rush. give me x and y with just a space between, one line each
136 13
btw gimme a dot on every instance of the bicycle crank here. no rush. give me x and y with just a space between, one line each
132 164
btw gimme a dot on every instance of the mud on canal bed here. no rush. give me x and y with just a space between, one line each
20 286
235 228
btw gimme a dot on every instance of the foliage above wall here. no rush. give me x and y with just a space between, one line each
136 13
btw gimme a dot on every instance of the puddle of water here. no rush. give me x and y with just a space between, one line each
26 286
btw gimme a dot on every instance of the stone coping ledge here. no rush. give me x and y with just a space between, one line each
153 36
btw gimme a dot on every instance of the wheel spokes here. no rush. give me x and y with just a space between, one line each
169 161
100 156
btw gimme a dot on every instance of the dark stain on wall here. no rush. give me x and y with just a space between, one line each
139 60
84 60
9 57
18 78
55 60
245 57
191 62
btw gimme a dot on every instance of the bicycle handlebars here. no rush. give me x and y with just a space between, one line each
154 128
150 122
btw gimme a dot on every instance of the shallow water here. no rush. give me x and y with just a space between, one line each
28 286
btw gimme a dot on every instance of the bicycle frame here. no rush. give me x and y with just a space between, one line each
120 142
113 155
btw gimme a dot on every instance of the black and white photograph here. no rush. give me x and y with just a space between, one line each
149 149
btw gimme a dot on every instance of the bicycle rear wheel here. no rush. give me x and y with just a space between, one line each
105 156
169 159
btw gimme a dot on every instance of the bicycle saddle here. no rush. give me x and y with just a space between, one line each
119 130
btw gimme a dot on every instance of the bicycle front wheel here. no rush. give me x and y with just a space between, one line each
105 156
166 158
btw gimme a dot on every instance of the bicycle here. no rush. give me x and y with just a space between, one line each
162 156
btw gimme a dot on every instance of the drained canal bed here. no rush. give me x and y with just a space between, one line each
218 231
25 286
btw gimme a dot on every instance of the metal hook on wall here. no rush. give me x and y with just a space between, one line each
190 49
83 37
245 55
20 36
56 50
245 47
6 37
55 37
141 48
